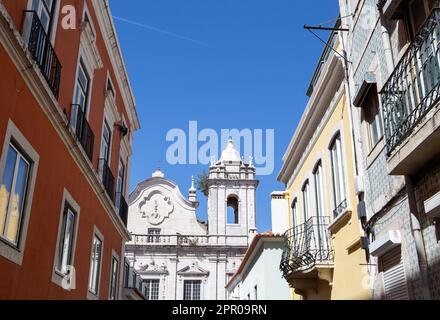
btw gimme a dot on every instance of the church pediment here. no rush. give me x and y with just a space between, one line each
193 270
153 269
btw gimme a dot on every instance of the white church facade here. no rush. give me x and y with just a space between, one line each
180 257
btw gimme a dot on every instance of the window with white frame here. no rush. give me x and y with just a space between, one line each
114 279
105 141
13 193
45 11
295 213
306 201
81 96
152 289
66 240
95 265
191 289
319 189
338 175
120 183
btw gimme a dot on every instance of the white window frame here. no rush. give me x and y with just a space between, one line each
200 282
114 257
56 15
148 296
13 134
341 171
90 294
57 275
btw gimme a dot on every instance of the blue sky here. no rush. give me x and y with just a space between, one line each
224 63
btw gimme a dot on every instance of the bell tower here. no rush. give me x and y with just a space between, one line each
232 187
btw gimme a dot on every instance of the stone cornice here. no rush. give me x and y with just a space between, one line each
14 45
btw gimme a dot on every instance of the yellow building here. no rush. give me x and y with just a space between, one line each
323 256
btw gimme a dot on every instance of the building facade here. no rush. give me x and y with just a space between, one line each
323 256
258 277
180 257
393 51
66 128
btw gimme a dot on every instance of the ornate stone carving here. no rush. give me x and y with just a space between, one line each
156 208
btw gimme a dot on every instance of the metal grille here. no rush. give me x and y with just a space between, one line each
83 131
413 88
42 51
306 245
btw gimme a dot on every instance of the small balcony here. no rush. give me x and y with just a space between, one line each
42 51
107 178
82 129
307 254
122 207
410 101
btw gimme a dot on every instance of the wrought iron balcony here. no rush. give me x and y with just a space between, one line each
306 246
107 178
413 88
83 131
122 207
340 209
42 51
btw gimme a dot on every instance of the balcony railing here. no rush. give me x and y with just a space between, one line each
83 131
42 51
340 209
122 206
413 88
187 240
306 246
107 178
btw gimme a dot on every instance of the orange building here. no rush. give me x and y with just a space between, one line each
67 117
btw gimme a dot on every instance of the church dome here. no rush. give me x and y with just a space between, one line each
230 154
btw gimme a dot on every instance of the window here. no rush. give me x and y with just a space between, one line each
80 100
373 117
114 279
338 175
105 143
13 193
110 88
65 245
232 208
45 10
437 228
151 238
306 201
152 289
191 289
120 183
95 265
126 274
295 215
319 190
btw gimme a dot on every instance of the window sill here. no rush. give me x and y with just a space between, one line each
91 295
10 251
340 221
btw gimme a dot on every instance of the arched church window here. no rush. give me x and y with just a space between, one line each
232 210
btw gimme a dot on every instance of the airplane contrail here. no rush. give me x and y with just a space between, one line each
151 28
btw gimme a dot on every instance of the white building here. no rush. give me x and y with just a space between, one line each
180 257
259 277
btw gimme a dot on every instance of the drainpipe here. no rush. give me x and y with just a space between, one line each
416 231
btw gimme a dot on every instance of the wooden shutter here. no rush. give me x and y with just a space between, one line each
394 278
